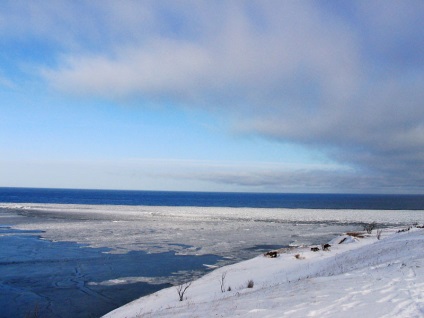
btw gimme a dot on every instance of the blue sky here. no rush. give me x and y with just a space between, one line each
259 96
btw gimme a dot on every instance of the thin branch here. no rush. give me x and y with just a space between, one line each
181 289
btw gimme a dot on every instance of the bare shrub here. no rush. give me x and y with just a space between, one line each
271 254
181 289
369 227
224 274
355 234
325 247
404 230
344 239
250 283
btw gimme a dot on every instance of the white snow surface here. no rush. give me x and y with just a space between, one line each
361 277
227 232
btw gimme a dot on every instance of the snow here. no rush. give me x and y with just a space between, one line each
227 232
362 276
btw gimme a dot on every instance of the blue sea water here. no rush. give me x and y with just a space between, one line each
214 199
54 277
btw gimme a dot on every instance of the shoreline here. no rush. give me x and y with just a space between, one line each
356 275
210 229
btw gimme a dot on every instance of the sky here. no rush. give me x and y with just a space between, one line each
254 96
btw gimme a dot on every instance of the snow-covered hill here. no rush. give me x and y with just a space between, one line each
361 277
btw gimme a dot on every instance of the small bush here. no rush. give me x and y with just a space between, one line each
250 283
369 227
224 274
181 289
229 288
271 254
355 234
325 247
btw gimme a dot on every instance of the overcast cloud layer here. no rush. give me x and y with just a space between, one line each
344 77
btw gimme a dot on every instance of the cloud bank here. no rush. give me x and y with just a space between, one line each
344 77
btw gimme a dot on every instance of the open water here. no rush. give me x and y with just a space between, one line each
82 253
214 199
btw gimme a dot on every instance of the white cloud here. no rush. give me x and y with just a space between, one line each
163 66
347 78
297 57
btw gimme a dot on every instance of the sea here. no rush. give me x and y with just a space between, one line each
82 253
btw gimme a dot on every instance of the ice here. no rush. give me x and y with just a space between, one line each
223 231
65 279
124 233
365 278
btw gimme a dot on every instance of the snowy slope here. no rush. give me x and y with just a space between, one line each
362 277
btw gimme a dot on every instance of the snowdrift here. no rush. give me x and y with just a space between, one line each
357 276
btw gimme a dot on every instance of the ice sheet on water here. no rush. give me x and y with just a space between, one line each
132 280
193 230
